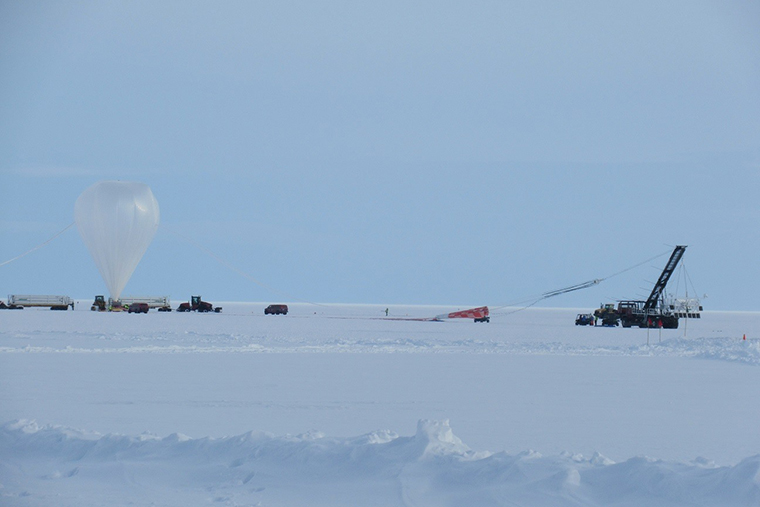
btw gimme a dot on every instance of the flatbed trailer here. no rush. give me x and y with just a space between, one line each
161 302
29 300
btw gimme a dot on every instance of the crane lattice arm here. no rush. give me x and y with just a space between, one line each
659 287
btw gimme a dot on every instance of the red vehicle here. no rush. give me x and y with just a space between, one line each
138 308
196 304
276 310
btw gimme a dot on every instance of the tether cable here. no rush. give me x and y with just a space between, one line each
546 295
38 246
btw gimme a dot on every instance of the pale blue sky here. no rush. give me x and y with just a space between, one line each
438 152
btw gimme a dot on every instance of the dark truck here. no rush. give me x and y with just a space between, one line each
138 308
276 310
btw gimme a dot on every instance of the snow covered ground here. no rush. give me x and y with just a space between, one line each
239 408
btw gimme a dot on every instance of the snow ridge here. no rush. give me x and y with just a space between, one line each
50 465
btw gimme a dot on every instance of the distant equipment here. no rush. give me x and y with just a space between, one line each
117 221
655 311
196 304
584 319
162 303
276 310
99 304
608 315
16 302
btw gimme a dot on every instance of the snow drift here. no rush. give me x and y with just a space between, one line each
54 465
528 380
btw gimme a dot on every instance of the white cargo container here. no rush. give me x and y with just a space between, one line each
53 302
160 302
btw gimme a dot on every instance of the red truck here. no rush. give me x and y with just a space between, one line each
276 310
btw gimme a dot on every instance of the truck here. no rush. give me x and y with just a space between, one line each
138 308
655 311
276 310
53 302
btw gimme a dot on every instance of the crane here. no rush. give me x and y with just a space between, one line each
653 312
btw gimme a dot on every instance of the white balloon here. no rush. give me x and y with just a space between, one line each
117 221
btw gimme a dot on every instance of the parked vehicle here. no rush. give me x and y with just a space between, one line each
138 308
607 314
196 304
276 310
99 304
584 319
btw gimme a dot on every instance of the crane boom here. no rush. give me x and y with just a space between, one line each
659 287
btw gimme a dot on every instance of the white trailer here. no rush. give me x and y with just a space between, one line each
161 302
52 302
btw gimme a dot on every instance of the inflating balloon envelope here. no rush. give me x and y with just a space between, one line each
117 221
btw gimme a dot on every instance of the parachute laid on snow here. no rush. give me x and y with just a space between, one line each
117 221
479 314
